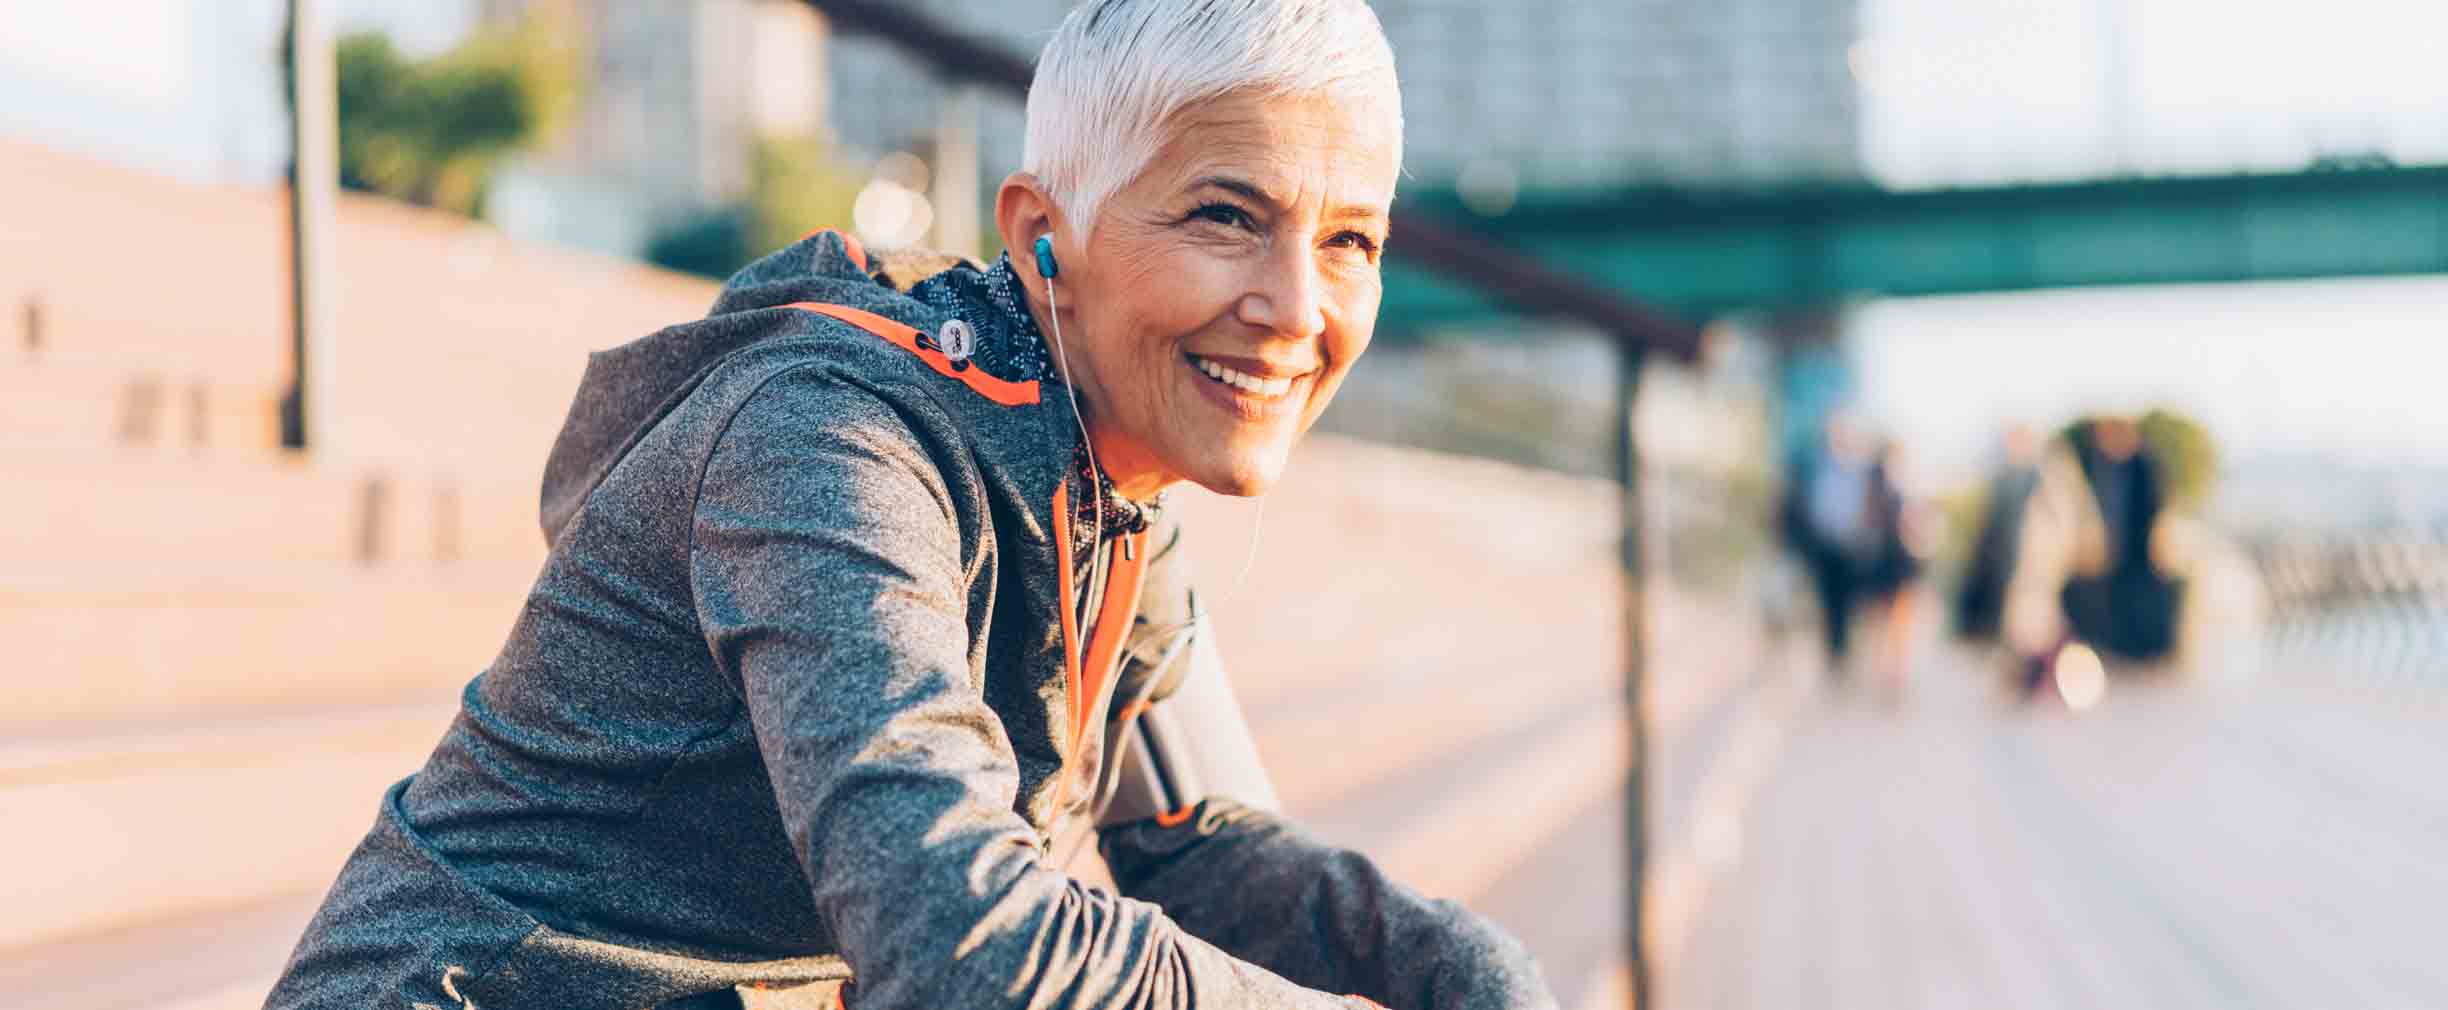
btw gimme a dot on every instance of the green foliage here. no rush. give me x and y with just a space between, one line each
2185 447
432 131
795 187
1965 511
711 244
2191 455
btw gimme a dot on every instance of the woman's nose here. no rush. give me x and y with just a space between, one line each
1287 298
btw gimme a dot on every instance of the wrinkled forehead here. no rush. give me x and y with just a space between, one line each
1343 151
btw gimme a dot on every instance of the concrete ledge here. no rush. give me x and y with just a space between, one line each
107 653
78 408
144 824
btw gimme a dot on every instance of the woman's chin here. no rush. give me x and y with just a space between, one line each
1237 487
1241 474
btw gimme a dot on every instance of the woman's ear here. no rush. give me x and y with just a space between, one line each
1024 212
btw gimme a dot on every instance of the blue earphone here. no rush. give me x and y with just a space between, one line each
1046 267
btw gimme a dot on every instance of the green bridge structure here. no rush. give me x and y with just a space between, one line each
1695 253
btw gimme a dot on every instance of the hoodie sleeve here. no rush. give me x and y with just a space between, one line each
826 560
1260 888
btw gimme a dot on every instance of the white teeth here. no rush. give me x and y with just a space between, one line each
1244 381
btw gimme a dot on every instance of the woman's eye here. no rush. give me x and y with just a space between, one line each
1224 214
1354 240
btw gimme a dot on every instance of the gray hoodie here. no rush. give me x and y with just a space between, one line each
789 706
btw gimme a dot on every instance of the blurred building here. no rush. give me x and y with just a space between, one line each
1541 93
1609 92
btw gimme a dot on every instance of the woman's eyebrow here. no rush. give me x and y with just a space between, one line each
1251 191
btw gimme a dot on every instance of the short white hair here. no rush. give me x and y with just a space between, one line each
1117 71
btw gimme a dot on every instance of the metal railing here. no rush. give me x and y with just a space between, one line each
2366 606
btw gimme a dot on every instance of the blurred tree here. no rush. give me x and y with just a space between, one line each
2186 450
795 187
1965 510
712 243
431 131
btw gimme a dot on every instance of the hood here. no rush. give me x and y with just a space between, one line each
627 389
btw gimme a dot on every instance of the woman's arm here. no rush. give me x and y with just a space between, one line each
826 559
1237 874
1257 886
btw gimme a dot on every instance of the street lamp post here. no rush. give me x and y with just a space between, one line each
314 176
1628 359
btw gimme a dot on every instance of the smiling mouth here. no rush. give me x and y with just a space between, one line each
1243 382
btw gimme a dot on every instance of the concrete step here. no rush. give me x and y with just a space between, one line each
82 507
64 318
129 506
450 343
111 643
214 959
55 406
120 826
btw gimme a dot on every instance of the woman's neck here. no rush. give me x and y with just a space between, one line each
1133 470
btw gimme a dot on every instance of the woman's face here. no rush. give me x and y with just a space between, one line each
1223 294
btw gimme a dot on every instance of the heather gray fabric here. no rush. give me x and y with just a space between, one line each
786 706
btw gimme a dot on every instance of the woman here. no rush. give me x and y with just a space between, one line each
860 612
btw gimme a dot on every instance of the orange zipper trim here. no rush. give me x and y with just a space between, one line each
1115 612
1003 391
1123 580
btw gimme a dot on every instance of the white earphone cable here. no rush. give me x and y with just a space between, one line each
1096 474
1257 523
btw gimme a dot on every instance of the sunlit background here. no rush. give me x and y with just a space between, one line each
2057 766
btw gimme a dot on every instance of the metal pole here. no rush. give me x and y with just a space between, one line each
1635 646
314 176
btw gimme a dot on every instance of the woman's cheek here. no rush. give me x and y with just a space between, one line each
1206 287
1159 287
1356 322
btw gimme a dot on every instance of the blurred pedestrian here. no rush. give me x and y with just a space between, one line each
2086 566
2123 603
1829 520
1891 583
862 614
1980 599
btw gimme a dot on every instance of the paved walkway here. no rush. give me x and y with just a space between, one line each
2237 846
